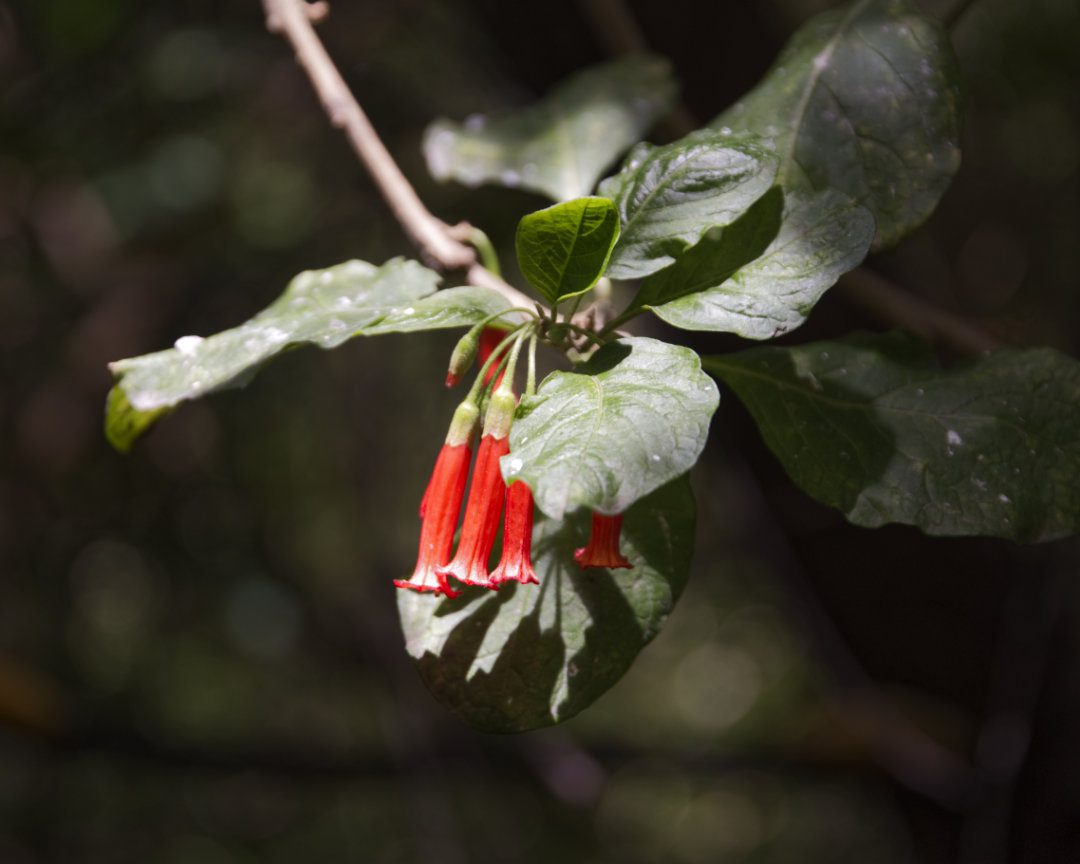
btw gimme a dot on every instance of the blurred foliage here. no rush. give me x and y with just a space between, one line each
199 655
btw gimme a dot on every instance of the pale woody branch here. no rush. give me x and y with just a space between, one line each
294 19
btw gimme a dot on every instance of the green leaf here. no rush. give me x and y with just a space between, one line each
561 145
717 256
564 249
534 655
865 100
871 425
668 197
821 237
620 426
323 307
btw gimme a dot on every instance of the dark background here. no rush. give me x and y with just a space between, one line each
200 659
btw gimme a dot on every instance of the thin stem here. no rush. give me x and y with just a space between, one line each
620 319
585 331
530 380
293 19
574 308
495 316
495 355
511 367
486 250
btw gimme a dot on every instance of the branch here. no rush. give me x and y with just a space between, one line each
894 305
293 19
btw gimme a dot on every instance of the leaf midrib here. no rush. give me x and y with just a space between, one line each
817 71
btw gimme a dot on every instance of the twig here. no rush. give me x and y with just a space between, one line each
894 305
293 20
618 31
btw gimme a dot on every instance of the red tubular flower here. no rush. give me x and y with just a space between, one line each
441 505
516 562
603 548
486 496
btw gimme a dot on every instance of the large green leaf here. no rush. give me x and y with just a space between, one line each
668 197
564 249
871 425
533 655
822 236
560 146
625 423
866 100
323 307
716 257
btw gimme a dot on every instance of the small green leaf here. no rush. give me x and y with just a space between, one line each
534 655
560 146
821 237
323 307
865 100
668 197
564 249
620 426
871 425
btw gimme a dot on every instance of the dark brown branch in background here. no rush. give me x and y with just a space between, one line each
618 31
293 19
893 305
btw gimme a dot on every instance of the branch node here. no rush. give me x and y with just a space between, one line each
437 244
317 11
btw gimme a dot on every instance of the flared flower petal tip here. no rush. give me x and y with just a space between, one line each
476 577
436 590
500 578
587 558
603 548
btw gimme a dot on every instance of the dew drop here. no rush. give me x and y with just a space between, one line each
188 345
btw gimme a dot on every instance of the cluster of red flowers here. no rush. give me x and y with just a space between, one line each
489 497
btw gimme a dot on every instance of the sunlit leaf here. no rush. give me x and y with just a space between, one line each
615 429
321 307
668 197
534 655
716 257
821 237
561 145
873 426
564 249
864 99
